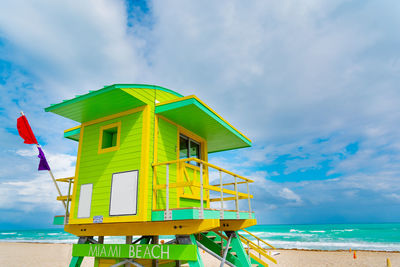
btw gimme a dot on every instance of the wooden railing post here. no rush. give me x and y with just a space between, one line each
248 248
248 198
204 189
67 209
221 212
168 213
236 199
201 214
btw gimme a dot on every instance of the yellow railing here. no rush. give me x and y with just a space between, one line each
251 246
257 238
256 248
196 186
67 198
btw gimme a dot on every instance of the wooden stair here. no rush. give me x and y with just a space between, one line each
217 241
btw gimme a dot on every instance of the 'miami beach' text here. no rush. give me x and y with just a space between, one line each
136 251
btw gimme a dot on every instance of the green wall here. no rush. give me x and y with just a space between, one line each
167 145
150 97
167 151
98 168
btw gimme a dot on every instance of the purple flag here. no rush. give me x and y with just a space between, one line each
43 165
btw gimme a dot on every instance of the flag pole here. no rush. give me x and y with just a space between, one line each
52 176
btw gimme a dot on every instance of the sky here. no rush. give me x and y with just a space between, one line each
313 84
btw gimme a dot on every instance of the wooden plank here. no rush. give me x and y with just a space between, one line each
178 227
63 198
230 184
226 199
66 180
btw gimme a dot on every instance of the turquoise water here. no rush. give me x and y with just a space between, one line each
383 237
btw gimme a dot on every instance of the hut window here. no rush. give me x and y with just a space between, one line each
188 148
109 137
124 188
85 201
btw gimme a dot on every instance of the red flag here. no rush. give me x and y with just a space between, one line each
25 131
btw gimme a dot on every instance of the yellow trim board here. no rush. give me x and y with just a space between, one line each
155 157
145 164
78 159
235 225
106 127
179 227
73 128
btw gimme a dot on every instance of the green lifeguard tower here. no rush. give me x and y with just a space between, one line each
142 171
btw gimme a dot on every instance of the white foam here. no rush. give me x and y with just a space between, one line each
269 234
296 231
336 245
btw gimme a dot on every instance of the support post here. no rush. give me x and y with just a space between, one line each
201 214
222 243
237 247
226 250
100 240
76 261
248 250
128 240
188 240
209 251
154 240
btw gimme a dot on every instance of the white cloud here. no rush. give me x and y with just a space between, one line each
290 195
394 196
74 46
285 73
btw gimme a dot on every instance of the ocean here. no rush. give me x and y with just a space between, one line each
379 237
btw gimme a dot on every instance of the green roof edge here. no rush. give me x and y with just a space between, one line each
72 132
228 149
164 107
109 88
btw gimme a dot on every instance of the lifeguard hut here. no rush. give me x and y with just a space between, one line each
142 171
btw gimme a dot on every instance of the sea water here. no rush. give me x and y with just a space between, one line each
381 237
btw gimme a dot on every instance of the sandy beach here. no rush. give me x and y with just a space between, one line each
46 255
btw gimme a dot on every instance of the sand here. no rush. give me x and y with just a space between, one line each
290 258
46 255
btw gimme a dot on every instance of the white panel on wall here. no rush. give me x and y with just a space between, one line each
124 193
85 201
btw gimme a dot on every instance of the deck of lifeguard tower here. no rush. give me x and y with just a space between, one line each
166 138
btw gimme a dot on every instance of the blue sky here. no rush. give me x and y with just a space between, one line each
314 84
